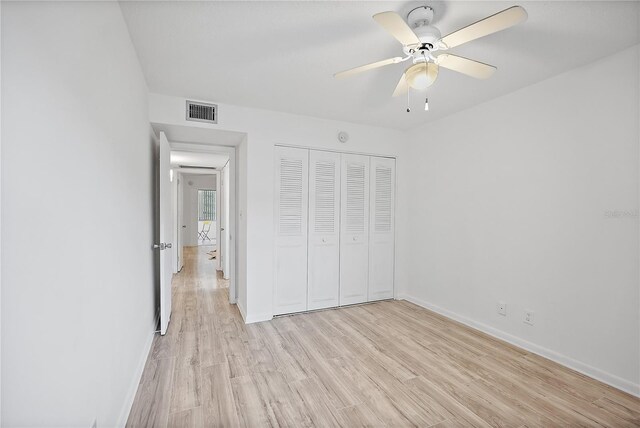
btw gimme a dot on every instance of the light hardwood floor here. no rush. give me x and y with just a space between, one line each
383 364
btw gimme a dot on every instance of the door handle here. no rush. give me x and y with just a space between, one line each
161 246
222 229
168 245
184 226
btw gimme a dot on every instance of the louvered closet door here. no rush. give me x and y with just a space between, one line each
354 229
292 197
381 237
324 229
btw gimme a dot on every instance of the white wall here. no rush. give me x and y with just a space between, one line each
190 204
265 129
77 307
514 200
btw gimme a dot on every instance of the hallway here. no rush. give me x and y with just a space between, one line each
180 367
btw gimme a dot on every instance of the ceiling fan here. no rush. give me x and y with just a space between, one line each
420 41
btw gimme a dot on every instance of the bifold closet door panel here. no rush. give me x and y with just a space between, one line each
382 228
291 205
354 229
324 230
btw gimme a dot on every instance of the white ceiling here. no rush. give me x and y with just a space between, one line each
282 55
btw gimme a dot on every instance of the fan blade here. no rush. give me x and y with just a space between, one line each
492 24
395 25
366 67
472 68
402 87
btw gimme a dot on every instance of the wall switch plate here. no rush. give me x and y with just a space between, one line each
502 308
528 317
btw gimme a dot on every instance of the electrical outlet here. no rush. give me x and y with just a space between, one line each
528 317
502 308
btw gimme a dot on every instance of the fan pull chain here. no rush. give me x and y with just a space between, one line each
426 73
408 104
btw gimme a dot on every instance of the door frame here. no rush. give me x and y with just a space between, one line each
233 204
176 202
218 220
224 266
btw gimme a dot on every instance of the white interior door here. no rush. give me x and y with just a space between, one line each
166 233
292 198
382 228
354 229
324 231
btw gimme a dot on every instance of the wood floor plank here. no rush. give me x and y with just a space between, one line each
191 418
251 411
454 411
152 401
316 404
360 415
211 351
163 347
385 364
627 413
218 404
275 393
185 393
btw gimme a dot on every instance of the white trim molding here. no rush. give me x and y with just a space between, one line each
602 376
242 310
253 318
258 318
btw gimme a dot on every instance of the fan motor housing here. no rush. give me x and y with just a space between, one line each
428 34
421 15
419 20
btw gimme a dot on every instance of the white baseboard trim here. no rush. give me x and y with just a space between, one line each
243 311
133 388
258 318
602 376
253 318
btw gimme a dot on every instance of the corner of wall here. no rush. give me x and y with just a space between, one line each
605 377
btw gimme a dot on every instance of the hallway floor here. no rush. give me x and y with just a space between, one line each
389 363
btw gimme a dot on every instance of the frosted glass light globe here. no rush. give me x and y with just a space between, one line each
419 78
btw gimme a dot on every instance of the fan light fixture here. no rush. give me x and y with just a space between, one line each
421 41
422 75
